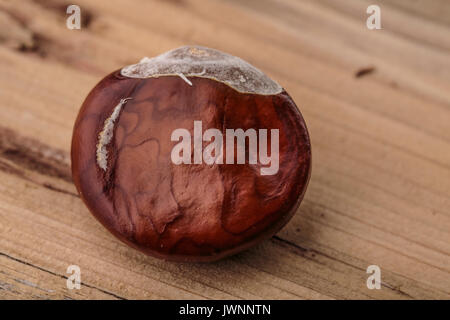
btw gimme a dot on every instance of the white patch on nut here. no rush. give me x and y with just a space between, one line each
182 76
196 61
105 136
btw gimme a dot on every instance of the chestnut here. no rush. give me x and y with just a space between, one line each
193 155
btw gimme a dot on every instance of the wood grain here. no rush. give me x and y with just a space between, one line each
380 186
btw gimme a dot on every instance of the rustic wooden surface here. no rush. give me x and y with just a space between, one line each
377 104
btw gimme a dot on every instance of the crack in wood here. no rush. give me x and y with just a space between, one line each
33 285
31 154
7 168
56 189
303 252
8 287
364 71
60 275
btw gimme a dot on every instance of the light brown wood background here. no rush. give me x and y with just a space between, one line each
380 186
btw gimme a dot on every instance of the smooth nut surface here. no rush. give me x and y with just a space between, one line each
123 170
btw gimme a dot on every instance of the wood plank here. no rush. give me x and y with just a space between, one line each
380 187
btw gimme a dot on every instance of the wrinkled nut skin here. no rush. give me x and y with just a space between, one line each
195 212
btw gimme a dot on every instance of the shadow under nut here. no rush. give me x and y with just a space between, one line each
122 167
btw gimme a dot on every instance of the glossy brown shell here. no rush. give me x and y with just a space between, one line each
184 212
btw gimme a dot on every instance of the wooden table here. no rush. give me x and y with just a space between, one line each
377 104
